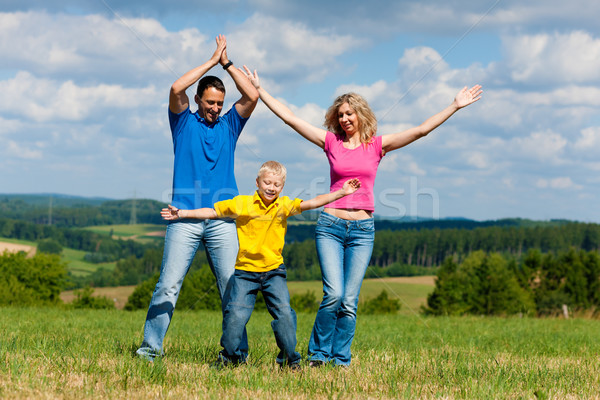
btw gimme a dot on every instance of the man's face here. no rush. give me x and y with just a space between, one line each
210 104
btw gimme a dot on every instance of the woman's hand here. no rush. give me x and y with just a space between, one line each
468 96
252 77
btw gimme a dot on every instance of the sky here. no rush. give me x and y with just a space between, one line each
84 90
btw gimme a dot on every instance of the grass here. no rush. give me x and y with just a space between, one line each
54 353
78 266
136 231
412 292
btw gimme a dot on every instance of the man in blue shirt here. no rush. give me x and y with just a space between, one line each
203 173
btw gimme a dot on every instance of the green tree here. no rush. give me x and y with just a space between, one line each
381 304
31 281
484 284
86 299
49 246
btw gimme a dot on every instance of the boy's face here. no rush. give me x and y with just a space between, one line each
269 186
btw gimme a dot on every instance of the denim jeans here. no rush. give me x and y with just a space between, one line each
240 298
344 249
181 242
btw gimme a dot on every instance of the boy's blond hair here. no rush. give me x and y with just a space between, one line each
273 167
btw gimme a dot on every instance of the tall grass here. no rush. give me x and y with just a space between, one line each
53 353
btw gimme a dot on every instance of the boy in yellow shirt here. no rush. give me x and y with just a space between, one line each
261 222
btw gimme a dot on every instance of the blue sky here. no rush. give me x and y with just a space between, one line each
85 87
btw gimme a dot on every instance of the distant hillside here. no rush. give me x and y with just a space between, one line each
73 211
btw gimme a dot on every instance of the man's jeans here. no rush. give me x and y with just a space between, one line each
240 298
344 248
181 242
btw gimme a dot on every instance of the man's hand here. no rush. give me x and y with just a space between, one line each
170 214
217 56
351 186
224 59
252 77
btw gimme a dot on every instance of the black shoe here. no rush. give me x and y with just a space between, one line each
316 363
295 366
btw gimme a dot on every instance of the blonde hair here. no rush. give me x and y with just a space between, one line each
367 123
273 167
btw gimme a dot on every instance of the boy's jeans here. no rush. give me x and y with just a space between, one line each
181 242
344 248
240 298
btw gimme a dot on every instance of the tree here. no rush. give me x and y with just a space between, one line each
31 281
50 246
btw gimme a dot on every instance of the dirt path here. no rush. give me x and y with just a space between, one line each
14 248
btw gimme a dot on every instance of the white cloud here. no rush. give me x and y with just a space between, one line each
279 47
477 159
560 183
19 150
92 47
545 146
44 100
589 140
553 58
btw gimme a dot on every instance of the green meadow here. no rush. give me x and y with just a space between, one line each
74 354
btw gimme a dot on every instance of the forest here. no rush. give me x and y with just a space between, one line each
540 263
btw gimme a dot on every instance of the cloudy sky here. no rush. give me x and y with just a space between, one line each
84 89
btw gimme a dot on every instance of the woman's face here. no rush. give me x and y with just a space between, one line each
348 119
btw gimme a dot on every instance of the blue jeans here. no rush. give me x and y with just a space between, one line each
240 298
182 239
344 248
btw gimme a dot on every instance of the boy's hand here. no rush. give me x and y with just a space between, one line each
351 186
169 214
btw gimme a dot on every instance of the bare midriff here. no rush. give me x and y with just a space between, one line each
349 213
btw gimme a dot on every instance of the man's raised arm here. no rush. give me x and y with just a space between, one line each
178 99
246 104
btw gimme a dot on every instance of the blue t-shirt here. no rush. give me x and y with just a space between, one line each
204 158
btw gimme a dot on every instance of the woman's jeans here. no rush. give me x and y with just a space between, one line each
240 299
182 239
344 248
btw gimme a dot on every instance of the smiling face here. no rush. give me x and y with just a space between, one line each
210 104
269 186
348 119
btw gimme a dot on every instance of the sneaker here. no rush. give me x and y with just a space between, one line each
316 363
222 363
295 366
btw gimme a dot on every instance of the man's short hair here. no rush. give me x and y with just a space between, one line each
210 81
273 167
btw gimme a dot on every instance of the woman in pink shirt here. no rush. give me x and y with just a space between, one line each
345 230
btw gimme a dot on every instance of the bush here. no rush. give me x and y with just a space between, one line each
198 292
49 246
381 304
306 302
484 284
31 281
85 299
142 294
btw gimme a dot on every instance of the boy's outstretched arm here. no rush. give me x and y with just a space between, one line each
173 213
350 186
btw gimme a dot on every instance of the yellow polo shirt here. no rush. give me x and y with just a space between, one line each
260 229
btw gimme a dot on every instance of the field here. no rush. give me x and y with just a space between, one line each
139 232
74 354
411 291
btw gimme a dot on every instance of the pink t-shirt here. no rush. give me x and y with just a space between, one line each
361 163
